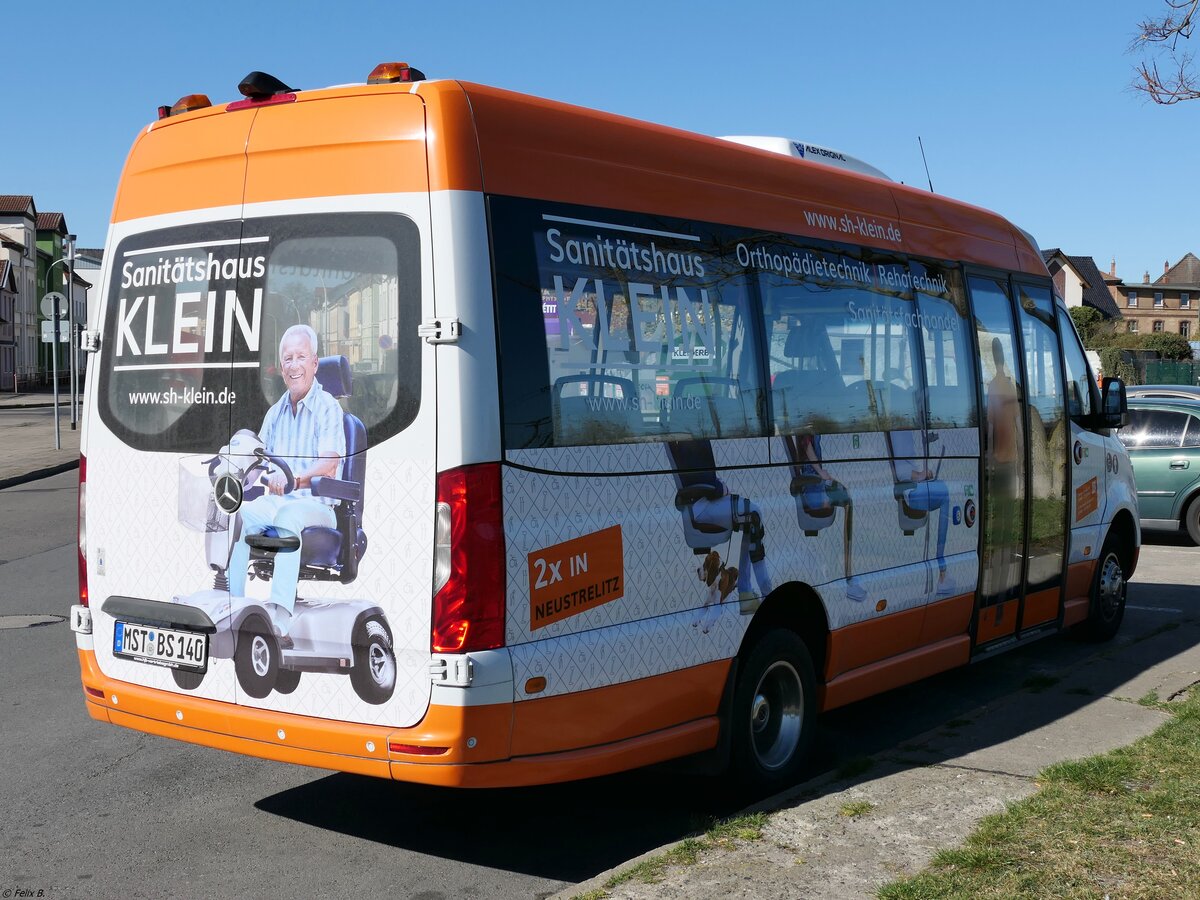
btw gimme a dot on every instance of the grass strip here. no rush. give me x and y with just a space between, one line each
1123 824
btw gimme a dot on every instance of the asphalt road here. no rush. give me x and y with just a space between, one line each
90 810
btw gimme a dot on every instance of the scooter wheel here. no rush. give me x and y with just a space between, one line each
256 659
288 681
373 675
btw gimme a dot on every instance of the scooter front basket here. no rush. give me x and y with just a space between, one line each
198 509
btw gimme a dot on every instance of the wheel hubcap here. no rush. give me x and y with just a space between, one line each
380 665
260 656
1112 586
776 715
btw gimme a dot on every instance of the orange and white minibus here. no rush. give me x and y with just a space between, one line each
445 434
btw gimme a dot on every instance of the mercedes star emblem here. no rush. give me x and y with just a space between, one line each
228 494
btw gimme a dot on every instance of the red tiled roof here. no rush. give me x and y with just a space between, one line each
52 221
14 203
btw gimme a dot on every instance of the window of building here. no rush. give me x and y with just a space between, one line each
1185 300
1132 326
1131 299
1158 325
1158 300
1185 328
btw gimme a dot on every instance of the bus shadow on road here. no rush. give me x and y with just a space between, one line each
567 832
571 832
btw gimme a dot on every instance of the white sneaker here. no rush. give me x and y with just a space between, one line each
855 591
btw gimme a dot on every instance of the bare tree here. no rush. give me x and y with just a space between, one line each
1161 36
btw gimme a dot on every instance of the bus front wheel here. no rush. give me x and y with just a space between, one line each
774 711
1108 594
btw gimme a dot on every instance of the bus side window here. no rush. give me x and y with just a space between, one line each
949 359
807 385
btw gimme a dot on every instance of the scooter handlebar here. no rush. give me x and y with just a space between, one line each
283 468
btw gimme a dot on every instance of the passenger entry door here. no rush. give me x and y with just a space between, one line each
1047 458
1003 453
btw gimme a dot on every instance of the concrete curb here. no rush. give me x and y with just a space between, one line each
38 473
771 804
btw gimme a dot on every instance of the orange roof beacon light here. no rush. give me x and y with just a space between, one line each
185 104
393 73
261 89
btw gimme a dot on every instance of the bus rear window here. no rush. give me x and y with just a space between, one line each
195 316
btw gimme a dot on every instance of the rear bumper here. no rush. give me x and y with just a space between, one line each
366 750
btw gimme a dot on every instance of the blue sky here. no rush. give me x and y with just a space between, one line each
1024 107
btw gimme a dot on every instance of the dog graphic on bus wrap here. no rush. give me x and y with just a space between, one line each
712 516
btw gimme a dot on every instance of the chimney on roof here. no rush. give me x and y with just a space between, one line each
1112 270
1146 278
1166 266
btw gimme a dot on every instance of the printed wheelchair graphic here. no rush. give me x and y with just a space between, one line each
711 515
270 649
818 497
919 491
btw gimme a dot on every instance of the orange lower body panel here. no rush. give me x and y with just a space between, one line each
1079 588
366 749
905 668
1041 607
997 621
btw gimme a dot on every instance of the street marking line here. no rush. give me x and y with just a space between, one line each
1155 608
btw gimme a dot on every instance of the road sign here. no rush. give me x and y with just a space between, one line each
50 301
64 331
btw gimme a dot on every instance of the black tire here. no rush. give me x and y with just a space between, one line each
774 712
185 680
373 675
1191 520
288 681
1107 608
256 659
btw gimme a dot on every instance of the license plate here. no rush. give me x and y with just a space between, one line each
161 646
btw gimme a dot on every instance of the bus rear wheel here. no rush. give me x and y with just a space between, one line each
774 711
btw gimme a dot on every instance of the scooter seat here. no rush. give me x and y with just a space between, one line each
320 546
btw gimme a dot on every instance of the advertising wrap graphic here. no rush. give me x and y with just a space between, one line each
283 506
249 370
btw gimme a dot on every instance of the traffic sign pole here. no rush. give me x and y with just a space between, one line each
54 369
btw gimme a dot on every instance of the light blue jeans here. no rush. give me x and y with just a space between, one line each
290 515
928 496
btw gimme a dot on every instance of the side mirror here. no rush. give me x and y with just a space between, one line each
1114 405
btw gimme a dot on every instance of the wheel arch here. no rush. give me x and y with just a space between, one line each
1124 530
1192 496
797 607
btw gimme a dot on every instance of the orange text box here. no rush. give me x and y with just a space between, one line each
575 576
1087 499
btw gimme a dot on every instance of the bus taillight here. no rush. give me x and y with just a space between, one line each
469 571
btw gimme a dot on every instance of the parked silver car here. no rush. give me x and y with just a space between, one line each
1164 391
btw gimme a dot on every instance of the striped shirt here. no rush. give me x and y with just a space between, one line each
315 429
